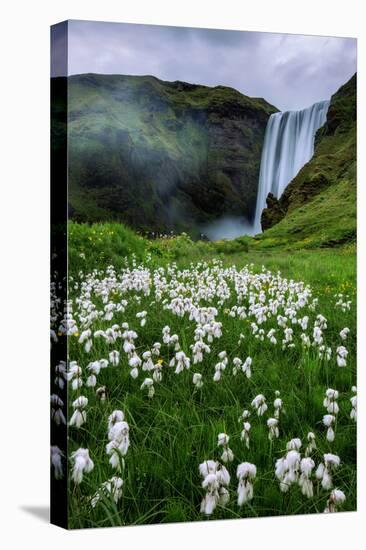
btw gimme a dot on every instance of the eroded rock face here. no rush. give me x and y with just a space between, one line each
162 155
334 158
273 213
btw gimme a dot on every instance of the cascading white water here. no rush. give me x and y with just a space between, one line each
288 145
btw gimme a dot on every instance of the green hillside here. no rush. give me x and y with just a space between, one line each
161 155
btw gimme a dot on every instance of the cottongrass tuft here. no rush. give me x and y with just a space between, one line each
246 473
79 415
215 480
82 463
112 487
335 500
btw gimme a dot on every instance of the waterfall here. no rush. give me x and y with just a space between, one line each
288 145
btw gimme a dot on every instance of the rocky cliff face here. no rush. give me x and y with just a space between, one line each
334 159
162 155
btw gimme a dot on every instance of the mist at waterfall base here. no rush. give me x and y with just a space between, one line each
228 227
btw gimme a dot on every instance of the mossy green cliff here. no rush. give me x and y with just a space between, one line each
161 155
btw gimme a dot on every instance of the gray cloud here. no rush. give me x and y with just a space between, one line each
289 71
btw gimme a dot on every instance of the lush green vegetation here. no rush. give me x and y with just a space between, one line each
175 431
311 239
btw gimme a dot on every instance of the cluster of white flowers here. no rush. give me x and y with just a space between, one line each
215 480
223 441
170 340
114 357
119 439
343 303
326 468
180 361
306 467
271 310
292 469
287 469
112 486
260 298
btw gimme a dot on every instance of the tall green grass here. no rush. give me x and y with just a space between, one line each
176 430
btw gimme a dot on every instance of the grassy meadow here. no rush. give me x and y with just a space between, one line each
175 430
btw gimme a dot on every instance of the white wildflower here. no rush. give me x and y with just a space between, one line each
311 446
149 384
180 361
215 479
335 500
259 403
277 404
329 421
246 368
81 463
353 400
342 356
294 445
344 333
273 432
223 441
305 482
244 436
326 468
101 393
111 487
245 473
79 415
142 315
114 358
119 439
197 380
74 375
330 401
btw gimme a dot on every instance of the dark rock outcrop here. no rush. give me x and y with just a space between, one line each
273 213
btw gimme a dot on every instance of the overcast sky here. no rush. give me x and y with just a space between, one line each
289 71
